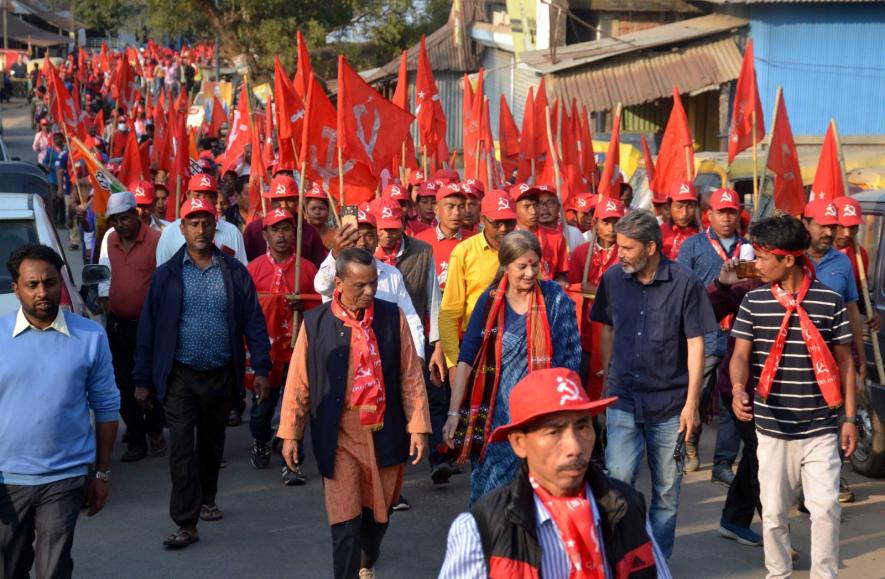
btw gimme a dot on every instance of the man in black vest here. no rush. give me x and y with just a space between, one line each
359 384
561 517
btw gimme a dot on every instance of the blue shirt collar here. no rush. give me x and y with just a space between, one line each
662 273
187 259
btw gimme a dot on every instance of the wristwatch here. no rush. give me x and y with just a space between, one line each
104 475
851 419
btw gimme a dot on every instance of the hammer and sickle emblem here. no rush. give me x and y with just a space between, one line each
503 204
361 215
197 204
831 211
204 181
569 390
582 203
684 188
610 206
726 196
281 189
329 170
849 211
386 213
369 146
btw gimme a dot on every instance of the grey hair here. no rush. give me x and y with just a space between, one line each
514 245
640 225
350 255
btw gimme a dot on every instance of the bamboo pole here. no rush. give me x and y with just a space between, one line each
552 157
755 169
874 337
764 177
424 160
341 178
299 231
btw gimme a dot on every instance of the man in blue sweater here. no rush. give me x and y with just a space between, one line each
46 440
200 310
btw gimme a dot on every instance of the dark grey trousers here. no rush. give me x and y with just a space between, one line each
47 513
355 544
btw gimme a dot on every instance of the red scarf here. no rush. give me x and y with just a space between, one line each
367 393
600 262
826 371
278 285
736 250
478 407
573 517
389 258
679 238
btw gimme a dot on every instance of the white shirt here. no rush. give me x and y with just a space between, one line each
574 237
171 240
391 288
434 296
59 324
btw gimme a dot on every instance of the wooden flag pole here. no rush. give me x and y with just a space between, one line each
533 170
552 157
764 177
341 178
589 259
402 166
755 169
874 337
299 228
424 160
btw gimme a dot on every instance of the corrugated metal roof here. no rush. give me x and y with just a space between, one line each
644 78
792 1
586 53
634 5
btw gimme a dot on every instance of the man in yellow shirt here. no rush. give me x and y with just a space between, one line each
472 267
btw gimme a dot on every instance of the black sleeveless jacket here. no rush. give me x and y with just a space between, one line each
506 522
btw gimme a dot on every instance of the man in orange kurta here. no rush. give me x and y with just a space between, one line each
360 385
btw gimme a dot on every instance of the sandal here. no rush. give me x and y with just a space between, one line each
211 513
180 539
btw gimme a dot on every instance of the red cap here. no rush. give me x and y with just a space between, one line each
584 202
449 190
498 206
416 178
449 175
607 207
725 199
143 192
316 192
683 190
207 154
822 211
428 189
44 121
364 215
545 188
388 213
192 206
520 190
281 187
277 215
162 186
544 392
395 192
475 184
207 163
202 182
850 213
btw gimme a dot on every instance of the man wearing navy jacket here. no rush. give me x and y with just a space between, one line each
190 355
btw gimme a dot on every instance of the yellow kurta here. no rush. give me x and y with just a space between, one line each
358 481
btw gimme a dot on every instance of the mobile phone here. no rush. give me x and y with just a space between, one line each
746 269
349 216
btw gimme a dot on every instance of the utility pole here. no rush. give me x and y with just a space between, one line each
5 28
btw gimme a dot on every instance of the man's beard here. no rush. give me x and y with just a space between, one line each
639 266
46 315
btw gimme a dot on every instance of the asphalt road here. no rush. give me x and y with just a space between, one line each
274 531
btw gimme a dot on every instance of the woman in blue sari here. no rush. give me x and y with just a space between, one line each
519 324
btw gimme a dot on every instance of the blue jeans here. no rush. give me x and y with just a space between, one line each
260 420
626 441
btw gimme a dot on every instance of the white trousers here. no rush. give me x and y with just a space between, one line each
783 465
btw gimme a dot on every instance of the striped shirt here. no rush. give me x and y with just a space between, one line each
465 559
795 407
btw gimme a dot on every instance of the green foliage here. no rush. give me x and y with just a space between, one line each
106 15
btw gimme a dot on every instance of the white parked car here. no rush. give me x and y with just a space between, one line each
23 219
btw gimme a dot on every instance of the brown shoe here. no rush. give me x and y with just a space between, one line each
181 539
211 513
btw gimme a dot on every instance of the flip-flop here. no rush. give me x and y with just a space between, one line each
211 513
180 539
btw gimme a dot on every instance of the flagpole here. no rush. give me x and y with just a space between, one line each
764 176
552 157
341 178
424 155
755 169
865 287
402 166
299 228
253 141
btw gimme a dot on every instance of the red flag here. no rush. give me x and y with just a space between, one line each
304 68
428 108
508 135
131 169
371 128
255 176
104 59
783 160
240 132
289 106
123 84
588 156
527 151
98 123
676 155
743 133
649 168
63 110
401 99
573 179
219 117
473 110
828 179
319 146
540 129
610 182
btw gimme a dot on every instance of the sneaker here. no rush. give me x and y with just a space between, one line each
134 454
260 454
157 446
293 478
441 473
367 573
722 475
743 535
401 504
846 495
